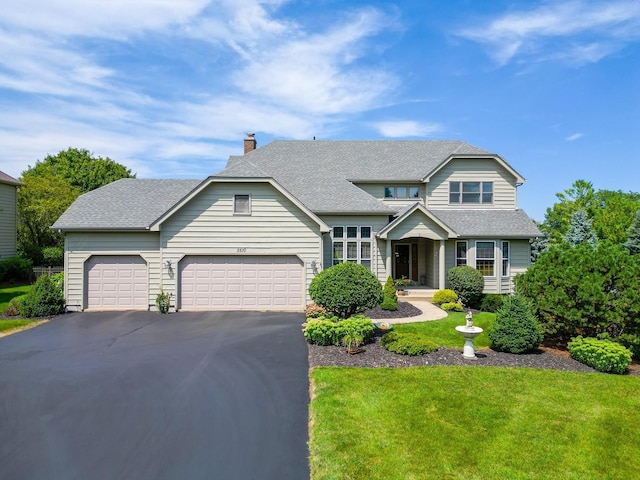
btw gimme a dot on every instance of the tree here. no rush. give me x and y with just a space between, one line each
557 219
580 230
633 236
539 245
50 187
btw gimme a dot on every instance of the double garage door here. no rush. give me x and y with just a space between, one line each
241 283
204 283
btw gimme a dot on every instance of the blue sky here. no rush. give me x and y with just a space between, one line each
169 88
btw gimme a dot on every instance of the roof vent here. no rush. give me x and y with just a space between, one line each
249 143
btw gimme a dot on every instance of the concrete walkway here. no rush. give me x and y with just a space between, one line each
429 312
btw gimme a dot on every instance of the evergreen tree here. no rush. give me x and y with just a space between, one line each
539 245
581 230
633 241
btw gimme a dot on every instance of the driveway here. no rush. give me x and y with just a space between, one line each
138 395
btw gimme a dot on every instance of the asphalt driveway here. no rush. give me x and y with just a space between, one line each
138 395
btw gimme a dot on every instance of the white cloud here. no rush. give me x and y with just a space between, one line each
574 137
406 128
530 33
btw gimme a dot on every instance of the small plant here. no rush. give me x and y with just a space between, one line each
323 331
603 355
163 301
389 304
515 329
13 310
452 307
44 299
401 283
409 343
492 302
468 283
445 295
313 310
390 297
352 340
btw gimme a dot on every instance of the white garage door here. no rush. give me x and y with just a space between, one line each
241 283
117 283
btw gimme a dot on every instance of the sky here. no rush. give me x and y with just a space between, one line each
170 88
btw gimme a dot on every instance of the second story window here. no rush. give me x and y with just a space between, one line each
402 191
470 192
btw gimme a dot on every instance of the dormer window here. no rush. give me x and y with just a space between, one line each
470 192
242 204
401 191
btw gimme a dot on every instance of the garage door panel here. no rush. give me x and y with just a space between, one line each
246 282
116 282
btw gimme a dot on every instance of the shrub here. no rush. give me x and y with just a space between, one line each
346 289
15 269
515 329
445 296
313 310
13 309
322 331
468 283
452 307
45 298
163 301
58 279
53 256
603 355
491 302
389 304
389 290
408 343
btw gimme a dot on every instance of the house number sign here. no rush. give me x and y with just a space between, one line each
241 250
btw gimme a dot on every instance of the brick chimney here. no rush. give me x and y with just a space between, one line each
249 143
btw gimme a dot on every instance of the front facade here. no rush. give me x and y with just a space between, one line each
254 235
8 215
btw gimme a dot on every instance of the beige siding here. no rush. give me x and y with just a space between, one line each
417 225
469 170
7 221
520 260
79 247
376 222
208 226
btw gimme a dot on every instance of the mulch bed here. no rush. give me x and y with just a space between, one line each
405 309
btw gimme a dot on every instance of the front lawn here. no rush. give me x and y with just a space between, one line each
10 292
443 332
473 423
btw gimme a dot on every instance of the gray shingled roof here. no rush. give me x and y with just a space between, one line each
319 173
8 179
489 223
126 204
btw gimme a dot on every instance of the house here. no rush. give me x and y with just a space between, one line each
8 215
254 235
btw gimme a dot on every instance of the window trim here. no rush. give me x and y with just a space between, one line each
459 191
358 240
236 197
466 253
506 272
493 259
394 192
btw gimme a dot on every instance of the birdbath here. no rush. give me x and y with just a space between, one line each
469 333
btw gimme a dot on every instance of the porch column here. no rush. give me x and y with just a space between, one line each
387 265
441 267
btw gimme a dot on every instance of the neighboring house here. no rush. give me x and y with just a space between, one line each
8 215
254 235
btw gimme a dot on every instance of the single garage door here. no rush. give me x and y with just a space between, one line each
117 283
241 283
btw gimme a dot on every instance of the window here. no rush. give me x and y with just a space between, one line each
352 244
242 205
461 254
505 259
470 192
402 191
485 258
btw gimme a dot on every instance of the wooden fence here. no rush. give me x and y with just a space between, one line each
38 271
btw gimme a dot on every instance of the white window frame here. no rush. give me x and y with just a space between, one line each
493 258
236 198
466 253
506 259
460 193
407 196
345 240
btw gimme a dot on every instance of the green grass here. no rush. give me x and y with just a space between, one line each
6 325
443 331
473 423
8 293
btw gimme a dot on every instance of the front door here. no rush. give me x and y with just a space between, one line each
402 254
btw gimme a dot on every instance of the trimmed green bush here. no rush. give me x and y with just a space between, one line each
452 307
445 296
515 329
44 299
408 343
603 355
492 302
389 304
322 331
346 289
13 310
390 297
58 279
15 269
468 283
